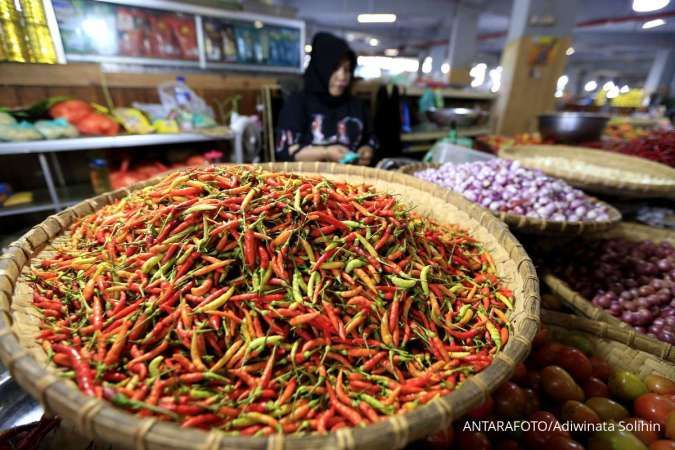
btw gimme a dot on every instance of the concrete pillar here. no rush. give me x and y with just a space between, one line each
439 55
661 73
463 44
532 61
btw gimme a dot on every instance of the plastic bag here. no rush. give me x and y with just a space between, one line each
6 119
23 131
167 96
133 120
55 129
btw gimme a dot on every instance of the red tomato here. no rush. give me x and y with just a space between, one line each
575 362
594 387
509 400
531 401
536 439
72 110
483 410
559 385
441 440
519 374
662 445
670 426
533 380
659 384
654 407
509 444
601 369
547 354
642 430
563 443
474 440
542 337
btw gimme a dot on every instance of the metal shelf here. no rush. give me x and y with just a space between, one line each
68 196
108 142
439 134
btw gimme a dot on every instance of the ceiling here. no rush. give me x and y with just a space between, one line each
606 32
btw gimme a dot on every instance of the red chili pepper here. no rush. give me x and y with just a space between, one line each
83 373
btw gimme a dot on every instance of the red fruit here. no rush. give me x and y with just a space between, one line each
547 354
563 443
601 369
662 445
536 439
483 410
441 440
509 400
519 374
594 387
72 110
509 444
642 430
654 407
474 440
575 362
542 337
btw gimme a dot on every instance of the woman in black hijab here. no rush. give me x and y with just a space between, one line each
324 122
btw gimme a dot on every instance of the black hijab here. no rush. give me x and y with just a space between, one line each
327 51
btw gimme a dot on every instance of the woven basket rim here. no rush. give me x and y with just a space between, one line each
96 416
585 308
535 225
595 183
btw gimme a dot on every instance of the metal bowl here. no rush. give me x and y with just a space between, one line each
572 127
461 117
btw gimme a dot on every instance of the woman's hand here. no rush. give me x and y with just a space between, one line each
365 155
335 152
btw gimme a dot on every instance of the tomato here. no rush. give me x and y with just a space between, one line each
483 410
578 412
536 438
607 409
594 387
547 354
533 380
542 337
615 440
660 385
559 385
72 110
601 369
662 445
509 444
531 401
519 374
575 362
473 440
654 407
626 385
98 125
643 430
563 443
509 400
441 440
670 426
580 342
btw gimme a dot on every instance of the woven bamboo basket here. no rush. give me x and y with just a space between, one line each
534 225
582 306
662 185
626 351
100 420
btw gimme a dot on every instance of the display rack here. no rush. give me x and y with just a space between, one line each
55 198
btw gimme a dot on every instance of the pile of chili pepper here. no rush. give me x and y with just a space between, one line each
260 302
658 146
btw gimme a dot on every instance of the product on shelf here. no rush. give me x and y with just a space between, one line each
19 132
56 129
623 131
565 382
505 186
330 301
632 280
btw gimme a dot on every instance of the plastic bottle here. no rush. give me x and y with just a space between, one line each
99 175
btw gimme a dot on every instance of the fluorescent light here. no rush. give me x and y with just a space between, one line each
570 51
308 48
613 92
653 24
373 42
478 73
649 5
591 86
445 68
258 24
427 64
608 85
376 18
558 94
624 89
391 52
350 37
562 83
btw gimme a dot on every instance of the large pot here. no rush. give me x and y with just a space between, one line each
572 127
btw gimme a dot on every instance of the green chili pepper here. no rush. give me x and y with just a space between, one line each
199 208
504 300
297 294
151 263
258 343
352 224
494 334
375 403
462 312
424 274
198 393
313 278
369 248
153 367
402 282
296 202
354 264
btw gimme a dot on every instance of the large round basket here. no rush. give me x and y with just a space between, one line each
539 226
98 419
582 306
598 171
622 350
